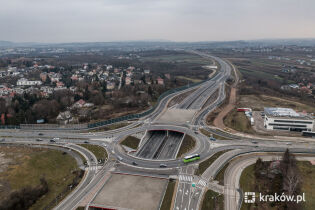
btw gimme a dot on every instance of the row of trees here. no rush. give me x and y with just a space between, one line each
284 178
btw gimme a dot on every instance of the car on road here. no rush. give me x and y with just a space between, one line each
52 141
39 139
163 165
212 138
119 158
289 143
134 163
254 142
40 134
86 142
2 140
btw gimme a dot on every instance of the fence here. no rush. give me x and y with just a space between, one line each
10 127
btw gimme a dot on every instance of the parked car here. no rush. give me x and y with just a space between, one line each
134 163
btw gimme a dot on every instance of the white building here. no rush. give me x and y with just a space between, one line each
287 119
25 82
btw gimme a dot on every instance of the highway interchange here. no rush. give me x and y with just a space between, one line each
160 148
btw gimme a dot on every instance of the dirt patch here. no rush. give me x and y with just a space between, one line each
218 121
124 191
258 102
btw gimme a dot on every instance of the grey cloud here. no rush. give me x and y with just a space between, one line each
179 20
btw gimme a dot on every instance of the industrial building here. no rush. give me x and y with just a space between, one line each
287 119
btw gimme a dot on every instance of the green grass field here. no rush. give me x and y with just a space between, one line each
205 164
187 145
110 127
220 176
212 200
258 102
207 133
307 171
238 121
32 164
131 142
167 201
99 152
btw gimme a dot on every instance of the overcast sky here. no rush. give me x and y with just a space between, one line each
175 20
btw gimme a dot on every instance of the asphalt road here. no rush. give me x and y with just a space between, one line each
151 146
171 146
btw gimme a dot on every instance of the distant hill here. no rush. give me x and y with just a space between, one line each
166 43
6 43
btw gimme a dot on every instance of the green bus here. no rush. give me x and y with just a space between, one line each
191 158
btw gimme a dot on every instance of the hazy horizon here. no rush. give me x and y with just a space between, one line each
56 21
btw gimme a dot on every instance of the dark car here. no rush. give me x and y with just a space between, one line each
39 139
53 141
86 142
134 163
40 134
163 166
2 140
213 139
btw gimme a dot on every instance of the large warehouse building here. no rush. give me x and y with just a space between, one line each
287 119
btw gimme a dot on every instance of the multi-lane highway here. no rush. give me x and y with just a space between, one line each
152 145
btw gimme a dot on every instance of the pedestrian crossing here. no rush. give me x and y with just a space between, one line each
185 178
202 183
93 168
